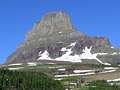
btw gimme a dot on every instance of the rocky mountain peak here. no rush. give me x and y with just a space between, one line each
54 38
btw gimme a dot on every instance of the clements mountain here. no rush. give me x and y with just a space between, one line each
54 40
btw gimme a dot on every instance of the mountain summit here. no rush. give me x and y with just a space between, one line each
54 39
52 23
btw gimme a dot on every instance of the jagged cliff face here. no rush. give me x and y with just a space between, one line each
55 39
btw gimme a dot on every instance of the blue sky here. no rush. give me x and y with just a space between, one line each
92 17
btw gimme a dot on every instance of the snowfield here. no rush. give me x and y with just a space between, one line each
74 58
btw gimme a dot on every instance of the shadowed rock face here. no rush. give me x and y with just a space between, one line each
51 34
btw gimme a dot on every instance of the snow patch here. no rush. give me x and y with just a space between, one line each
52 63
61 69
114 80
63 49
82 71
58 76
102 53
88 55
15 68
44 55
108 71
32 63
108 68
115 53
73 84
59 32
16 64
59 79
107 64
72 44
40 53
112 47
